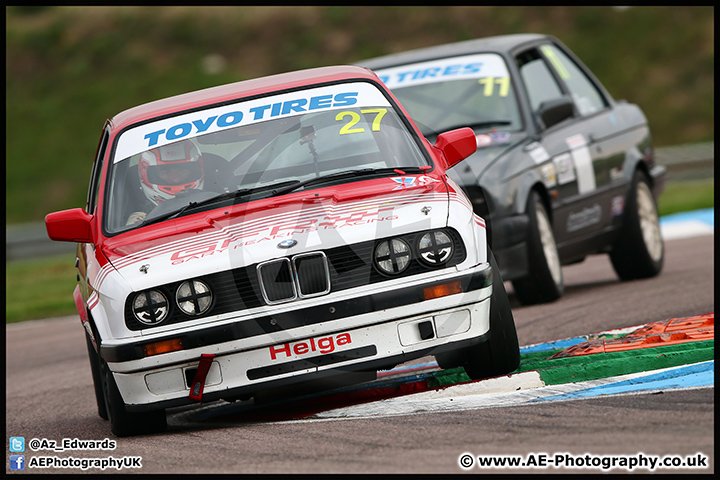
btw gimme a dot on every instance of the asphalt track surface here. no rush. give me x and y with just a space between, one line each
49 395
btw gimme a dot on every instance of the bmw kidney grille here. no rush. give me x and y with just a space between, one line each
302 276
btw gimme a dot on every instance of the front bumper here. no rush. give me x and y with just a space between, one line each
402 326
658 174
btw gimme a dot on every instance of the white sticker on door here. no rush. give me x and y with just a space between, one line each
583 163
564 168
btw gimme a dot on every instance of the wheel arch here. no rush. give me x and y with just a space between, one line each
87 320
539 187
637 159
92 330
642 166
482 205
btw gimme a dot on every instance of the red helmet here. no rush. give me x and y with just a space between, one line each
168 170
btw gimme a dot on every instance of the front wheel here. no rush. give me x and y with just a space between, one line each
638 251
122 422
97 378
544 281
499 354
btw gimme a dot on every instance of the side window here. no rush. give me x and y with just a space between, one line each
586 95
94 189
537 77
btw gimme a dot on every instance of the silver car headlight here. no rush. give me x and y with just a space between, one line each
193 297
150 307
435 248
392 256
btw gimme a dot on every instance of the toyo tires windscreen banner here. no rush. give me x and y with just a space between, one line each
164 132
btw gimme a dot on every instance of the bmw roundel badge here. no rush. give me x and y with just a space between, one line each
287 243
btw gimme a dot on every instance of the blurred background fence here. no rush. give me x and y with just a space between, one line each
684 162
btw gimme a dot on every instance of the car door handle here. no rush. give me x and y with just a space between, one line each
594 141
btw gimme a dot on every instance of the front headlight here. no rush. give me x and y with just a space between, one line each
435 248
392 256
193 297
150 307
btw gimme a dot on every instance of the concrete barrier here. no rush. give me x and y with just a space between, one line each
688 162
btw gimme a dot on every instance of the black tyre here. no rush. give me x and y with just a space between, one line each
122 422
544 282
499 354
639 251
97 378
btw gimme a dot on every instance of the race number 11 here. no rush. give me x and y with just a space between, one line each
489 83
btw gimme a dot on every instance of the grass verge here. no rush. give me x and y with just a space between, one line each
40 288
686 196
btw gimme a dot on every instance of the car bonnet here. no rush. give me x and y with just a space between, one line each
306 221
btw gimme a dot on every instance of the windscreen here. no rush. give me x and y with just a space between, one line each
254 149
466 91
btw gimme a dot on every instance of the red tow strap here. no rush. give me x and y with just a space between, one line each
198 383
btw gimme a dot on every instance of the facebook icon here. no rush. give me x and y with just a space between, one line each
17 462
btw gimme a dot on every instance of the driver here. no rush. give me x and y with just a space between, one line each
166 172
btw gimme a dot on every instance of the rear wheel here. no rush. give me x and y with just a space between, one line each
544 282
499 354
122 422
638 251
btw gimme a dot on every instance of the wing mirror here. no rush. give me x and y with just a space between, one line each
72 225
554 111
456 145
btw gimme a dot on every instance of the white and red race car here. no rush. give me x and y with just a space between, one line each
276 233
